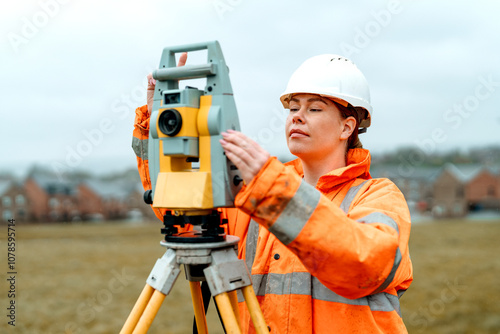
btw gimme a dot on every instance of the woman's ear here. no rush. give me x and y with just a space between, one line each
349 124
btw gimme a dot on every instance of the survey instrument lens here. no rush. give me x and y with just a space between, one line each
170 122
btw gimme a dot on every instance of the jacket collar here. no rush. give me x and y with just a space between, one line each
358 166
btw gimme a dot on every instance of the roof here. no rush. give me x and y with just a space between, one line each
464 173
51 183
494 169
114 189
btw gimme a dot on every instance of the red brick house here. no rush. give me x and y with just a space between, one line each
460 189
449 194
483 191
102 200
13 201
80 198
50 200
113 199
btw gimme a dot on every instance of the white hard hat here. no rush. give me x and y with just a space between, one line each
334 77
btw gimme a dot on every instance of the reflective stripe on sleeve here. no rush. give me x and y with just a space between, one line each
140 147
251 244
302 283
296 213
379 217
351 193
395 266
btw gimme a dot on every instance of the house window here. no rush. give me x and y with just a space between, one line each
460 192
6 201
20 200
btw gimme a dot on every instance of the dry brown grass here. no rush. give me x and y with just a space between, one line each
456 278
67 279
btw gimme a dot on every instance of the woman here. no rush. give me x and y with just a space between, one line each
327 244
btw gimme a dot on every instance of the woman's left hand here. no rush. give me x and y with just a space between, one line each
248 156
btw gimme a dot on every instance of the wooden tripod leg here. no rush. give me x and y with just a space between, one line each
254 308
233 298
227 314
199 309
150 313
138 309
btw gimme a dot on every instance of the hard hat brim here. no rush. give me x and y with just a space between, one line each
341 99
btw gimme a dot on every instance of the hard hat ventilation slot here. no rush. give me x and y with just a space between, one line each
339 58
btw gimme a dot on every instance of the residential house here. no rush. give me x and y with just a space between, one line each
448 191
451 198
50 199
13 201
113 199
483 191
43 197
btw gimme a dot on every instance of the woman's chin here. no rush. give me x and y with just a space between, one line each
297 150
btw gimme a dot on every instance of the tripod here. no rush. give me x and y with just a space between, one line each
217 263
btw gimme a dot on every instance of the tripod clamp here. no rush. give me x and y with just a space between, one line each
216 262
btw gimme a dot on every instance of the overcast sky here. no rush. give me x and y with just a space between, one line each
72 72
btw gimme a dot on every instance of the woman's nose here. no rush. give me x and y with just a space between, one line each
298 117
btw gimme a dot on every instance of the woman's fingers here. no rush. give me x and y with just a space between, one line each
245 153
150 92
182 59
152 81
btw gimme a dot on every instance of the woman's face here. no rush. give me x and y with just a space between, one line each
314 127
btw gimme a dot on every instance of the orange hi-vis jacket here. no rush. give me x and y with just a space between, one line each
327 259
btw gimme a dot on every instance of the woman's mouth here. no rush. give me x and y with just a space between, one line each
296 133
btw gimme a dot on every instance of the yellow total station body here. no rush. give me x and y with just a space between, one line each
187 165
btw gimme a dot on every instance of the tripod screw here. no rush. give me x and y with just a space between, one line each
148 196
237 180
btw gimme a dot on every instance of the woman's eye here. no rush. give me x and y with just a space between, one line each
294 109
315 110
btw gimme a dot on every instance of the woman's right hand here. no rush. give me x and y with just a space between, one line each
152 82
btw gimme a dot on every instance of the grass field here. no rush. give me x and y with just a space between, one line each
86 278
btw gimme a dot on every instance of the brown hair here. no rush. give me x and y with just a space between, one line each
353 141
